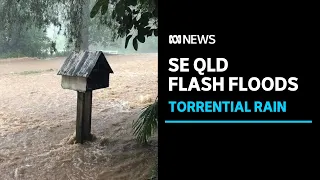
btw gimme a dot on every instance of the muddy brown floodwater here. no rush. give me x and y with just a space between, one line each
37 122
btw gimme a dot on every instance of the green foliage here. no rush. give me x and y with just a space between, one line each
135 43
30 42
103 4
135 19
117 19
20 32
147 123
42 13
102 32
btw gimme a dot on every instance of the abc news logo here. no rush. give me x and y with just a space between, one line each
192 39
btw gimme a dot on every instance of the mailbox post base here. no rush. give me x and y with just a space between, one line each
83 123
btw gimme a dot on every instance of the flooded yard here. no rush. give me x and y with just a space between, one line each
37 121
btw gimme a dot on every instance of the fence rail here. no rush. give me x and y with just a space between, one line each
111 52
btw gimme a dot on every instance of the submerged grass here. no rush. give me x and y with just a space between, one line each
35 72
154 171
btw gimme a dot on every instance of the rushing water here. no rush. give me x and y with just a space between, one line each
37 123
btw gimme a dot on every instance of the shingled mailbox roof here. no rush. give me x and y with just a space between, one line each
82 63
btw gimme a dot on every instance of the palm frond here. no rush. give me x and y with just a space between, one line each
147 123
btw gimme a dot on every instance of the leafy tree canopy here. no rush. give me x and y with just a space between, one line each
135 19
42 13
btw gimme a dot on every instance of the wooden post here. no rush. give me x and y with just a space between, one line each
83 124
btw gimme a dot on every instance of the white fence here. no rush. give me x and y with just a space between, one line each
111 52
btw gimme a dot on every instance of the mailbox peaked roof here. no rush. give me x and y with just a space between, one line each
80 64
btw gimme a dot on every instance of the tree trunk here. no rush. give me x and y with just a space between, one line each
85 25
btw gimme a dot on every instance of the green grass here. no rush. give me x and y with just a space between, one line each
40 56
35 72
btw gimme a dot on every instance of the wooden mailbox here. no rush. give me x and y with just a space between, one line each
84 72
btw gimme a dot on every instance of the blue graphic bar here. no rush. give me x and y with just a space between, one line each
238 121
